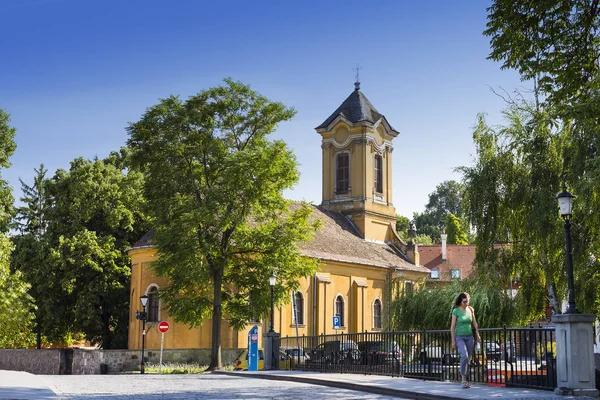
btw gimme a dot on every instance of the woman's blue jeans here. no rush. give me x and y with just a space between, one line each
465 344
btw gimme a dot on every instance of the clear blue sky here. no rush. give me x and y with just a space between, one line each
73 73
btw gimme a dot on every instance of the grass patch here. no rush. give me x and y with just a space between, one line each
176 368
181 368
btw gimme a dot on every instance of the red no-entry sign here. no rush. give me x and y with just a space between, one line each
163 326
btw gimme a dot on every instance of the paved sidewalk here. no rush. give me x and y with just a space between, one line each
23 385
404 387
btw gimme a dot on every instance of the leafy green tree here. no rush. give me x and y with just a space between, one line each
7 148
430 306
214 185
510 195
445 199
30 256
74 230
454 230
402 226
96 213
15 302
423 239
554 45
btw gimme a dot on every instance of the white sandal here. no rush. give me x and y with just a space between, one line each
466 385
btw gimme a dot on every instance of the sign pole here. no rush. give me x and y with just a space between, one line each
162 342
163 327
295 312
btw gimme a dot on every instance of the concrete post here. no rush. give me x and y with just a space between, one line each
272 342
575 354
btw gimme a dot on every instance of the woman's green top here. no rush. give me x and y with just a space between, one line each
463 322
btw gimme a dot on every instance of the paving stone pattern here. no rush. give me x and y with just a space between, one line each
201 386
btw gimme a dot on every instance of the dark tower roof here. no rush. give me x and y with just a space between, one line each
356 108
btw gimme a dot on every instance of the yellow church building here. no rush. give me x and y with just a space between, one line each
362 262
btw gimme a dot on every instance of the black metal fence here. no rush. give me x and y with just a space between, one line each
518 357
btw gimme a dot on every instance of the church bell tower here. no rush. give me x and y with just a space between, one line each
357 166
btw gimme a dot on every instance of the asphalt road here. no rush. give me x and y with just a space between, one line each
150 386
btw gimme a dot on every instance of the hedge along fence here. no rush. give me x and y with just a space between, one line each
82 362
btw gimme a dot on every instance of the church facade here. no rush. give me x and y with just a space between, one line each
363 264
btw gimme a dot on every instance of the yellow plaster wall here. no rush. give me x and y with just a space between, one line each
343 276
179 336
362 196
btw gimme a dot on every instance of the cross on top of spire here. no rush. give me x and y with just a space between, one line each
357 82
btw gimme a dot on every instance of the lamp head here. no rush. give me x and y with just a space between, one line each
565 202
144 300
272 280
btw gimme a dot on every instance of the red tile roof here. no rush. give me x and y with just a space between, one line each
459 257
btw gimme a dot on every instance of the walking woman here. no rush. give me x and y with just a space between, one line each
463 324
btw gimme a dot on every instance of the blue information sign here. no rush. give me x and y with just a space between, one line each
337 321
253 349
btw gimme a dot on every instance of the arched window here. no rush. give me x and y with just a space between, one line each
299 308
153 305
377 314
342 173
339 309
378 173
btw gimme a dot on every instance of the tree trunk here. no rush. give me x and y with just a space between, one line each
215 351
554 300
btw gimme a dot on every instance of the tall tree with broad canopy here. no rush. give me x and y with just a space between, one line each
555 45
510 198
15 303
214 184
75 228
97 213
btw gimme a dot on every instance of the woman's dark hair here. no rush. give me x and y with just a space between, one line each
460 298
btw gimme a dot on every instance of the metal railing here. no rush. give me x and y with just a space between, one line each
518 357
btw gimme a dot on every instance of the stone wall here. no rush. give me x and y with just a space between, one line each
43 362
129 360
83 362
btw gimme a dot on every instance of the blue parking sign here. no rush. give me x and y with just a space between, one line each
337 322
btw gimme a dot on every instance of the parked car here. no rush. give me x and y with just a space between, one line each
376 352
296 354
242 361
336 352
492 350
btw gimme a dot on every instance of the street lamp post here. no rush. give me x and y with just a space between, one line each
143 316
565 201
272 281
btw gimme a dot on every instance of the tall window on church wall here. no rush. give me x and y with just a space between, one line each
299 308
342 173
377 314
153 304
378 173
339 309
